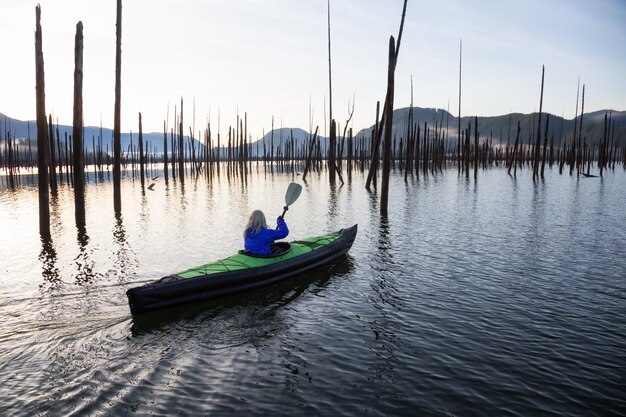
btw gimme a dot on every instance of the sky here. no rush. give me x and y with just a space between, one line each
268 59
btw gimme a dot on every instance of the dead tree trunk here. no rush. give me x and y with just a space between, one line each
458 148
42 131
310 154
545 145
117 135
601 151
384 195
580 132
538 140
466 151
409 139
475 147
181 145
51 157
375 143
142 160
165 152
332 130
332 143
77 130
514 154
376 139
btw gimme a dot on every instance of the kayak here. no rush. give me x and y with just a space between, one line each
241 272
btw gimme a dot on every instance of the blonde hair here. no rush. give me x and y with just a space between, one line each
256 222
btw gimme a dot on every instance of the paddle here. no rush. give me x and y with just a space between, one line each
292 194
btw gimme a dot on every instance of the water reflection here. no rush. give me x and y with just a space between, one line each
144 216
183 198
387 303
430 318
117 198
601 192
383 235
332 205
252 307
373 207
56 224
48 259
84 263
124 256
244 191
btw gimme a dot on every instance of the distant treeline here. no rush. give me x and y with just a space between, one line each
497 129
420 147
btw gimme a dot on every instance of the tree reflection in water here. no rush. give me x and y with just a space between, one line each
84 263
125 260
48 259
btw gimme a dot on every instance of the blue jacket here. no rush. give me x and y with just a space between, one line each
260 242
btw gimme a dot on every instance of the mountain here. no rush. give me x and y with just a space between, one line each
500 129
28 129
280 137
503 129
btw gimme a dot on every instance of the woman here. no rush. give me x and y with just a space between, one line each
258 238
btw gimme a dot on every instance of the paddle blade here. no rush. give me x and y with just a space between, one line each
292 194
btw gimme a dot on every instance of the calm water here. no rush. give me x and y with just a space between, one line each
495 297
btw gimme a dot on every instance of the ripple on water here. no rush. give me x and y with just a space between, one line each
491 297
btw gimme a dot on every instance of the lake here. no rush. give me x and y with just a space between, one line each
496 296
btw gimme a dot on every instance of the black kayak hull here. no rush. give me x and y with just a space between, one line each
161 295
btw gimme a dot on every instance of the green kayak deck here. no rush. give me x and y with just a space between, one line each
240 261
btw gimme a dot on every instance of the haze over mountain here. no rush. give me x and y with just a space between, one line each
499 129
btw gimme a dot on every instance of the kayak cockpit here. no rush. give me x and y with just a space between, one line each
277 249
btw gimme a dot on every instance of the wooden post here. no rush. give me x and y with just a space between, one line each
77 130
42 131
